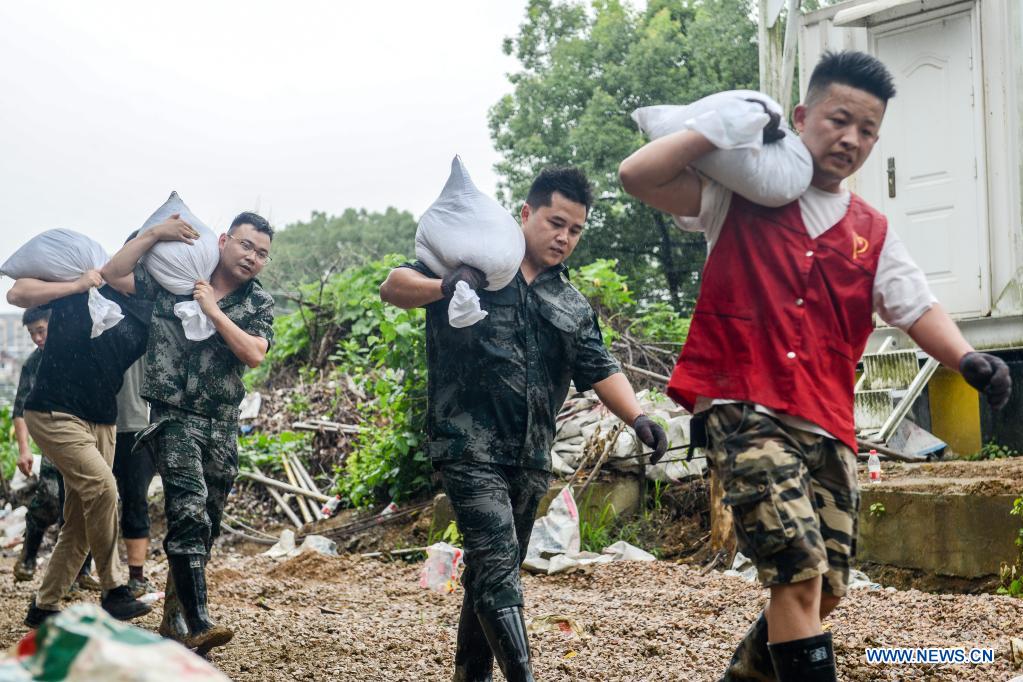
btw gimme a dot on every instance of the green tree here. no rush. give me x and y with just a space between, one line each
584 70
309 251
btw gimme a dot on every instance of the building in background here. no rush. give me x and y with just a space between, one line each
15 346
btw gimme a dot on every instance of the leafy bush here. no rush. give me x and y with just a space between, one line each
993 450
8 444
264 451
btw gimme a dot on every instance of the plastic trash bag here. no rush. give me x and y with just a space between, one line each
557 531
64 256
442 568
772 174
177 266
465 226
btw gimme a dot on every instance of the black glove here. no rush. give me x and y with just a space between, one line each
463 273
651 435
989 375
772 131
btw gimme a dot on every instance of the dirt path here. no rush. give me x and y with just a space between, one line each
657 621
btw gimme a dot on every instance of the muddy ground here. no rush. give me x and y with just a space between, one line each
653 621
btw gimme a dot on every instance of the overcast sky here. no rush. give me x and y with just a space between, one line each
283 108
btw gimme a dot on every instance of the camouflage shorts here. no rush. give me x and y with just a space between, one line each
793 494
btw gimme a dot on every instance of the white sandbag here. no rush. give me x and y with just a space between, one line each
177 266
63 256
465 226
771 174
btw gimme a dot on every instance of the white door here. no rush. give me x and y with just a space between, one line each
929 155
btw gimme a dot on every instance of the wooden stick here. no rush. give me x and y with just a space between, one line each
302 509
281 503
646 372
306 481
281 485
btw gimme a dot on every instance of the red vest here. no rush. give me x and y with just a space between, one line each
783 318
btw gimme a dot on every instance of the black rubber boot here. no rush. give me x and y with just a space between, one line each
25 567
190 584
474 661
506 631
805 660
751 661
173 625
119 603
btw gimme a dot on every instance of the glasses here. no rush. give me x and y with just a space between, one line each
249 247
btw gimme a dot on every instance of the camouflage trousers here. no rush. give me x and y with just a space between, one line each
793 494
197 458
47 504
495 507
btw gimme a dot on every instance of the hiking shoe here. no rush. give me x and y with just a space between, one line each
88 583
36 616
140 587
24 569
202 642
119 603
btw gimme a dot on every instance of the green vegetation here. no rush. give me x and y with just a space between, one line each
8 444
993 450
1012 576
309 251
877 510
264 452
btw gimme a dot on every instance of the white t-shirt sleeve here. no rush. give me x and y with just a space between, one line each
901 292
715 200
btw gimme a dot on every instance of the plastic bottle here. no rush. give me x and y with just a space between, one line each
874 467
330 506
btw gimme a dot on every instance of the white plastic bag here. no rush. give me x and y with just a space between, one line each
465 226
177 266
557 531
442 567
772 174
64 256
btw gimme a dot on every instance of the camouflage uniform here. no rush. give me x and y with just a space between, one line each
45 506
494 390
793 494
194 389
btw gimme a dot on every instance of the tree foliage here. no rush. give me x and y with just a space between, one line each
584 69
308 251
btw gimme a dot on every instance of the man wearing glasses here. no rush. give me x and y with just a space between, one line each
194 389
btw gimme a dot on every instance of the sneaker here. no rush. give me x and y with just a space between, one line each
36 616
140 587
24 570
87 582
119 603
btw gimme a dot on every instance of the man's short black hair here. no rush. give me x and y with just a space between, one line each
257 221
570 182
856 69
35 314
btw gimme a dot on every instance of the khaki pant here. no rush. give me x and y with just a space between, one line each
83 452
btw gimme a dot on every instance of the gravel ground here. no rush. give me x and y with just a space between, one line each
656 621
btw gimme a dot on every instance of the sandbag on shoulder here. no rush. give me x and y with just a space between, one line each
465 226
63 256
177 266
772 174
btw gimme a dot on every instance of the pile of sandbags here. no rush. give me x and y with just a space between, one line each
64 256
177 266
583 418
770 174
465 226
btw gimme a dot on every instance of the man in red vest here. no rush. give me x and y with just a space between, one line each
784 313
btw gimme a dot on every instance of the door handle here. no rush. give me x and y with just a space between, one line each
891 177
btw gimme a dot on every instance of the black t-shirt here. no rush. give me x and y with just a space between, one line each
79 375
